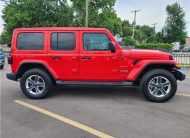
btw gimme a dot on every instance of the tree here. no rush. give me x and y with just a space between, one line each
174 30
148 33
35 13
101 14
143 33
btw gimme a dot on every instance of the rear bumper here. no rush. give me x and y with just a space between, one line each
179 75
11 76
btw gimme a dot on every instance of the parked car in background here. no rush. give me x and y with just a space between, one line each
2 60
186 49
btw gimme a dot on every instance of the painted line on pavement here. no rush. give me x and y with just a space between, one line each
64 119
182 94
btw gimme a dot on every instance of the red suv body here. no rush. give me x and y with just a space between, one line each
90 56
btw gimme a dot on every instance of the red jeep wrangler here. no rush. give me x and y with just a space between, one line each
43 57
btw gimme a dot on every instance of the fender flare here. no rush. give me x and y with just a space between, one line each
44 64
141 67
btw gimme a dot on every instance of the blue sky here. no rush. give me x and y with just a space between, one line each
153 11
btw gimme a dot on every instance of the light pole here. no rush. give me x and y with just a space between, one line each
86 20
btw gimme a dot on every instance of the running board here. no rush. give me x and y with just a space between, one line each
87 83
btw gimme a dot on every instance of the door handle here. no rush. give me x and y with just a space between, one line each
86 58
56 57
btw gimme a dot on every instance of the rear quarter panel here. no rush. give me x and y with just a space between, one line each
29 56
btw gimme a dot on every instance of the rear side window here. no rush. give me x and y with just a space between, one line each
63 41
30 41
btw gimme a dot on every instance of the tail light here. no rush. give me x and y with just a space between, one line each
171 57
10 59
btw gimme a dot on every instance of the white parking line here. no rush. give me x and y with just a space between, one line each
182 94
64 119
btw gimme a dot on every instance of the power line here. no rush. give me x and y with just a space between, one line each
134 22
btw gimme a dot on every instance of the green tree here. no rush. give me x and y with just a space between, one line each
128 41
148 34
143 33
126 28
35 13
101 14
174 30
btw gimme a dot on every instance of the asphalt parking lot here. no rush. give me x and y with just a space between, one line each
85 112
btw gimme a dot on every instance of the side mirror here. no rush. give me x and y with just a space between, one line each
111 46
9 45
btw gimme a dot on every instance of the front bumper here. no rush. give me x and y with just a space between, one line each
11 76
179 75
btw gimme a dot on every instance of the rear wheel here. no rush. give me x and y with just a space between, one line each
158 85
36 84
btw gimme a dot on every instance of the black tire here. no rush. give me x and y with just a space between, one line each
1 66
47 80
151 75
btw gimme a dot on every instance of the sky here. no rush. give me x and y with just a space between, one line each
152 11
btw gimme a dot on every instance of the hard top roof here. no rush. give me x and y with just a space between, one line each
59 28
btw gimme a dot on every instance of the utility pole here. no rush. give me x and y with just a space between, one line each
134 22
154 26
86 21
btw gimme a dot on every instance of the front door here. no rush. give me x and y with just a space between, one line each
63 54
97 63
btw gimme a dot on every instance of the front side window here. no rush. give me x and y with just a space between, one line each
63 41
95 42
30 41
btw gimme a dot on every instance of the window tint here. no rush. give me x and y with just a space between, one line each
30 41
63 41
95 41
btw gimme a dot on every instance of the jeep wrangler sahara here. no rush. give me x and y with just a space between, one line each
43 57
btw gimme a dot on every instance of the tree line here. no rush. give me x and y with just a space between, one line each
64 13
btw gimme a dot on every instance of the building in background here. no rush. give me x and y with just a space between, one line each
187 42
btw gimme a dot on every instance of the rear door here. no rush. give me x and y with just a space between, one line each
63 53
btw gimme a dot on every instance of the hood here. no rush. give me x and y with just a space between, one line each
148 54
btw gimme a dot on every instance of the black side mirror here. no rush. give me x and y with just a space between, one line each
111 46
9 45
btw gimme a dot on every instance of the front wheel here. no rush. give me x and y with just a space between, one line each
158 85
36 84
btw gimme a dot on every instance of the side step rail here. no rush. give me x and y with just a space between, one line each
87 83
